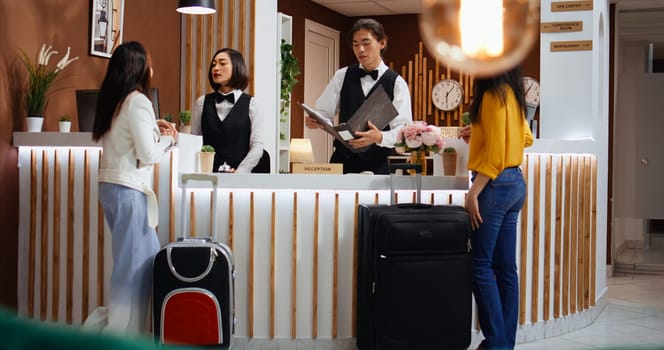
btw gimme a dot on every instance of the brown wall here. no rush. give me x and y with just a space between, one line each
25 25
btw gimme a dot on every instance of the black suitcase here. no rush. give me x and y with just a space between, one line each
414 287
193 286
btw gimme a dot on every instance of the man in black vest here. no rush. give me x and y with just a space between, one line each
351 86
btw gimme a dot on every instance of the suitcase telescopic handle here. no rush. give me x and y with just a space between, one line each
213 180
406 166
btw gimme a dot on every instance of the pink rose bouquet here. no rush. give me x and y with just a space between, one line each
419 137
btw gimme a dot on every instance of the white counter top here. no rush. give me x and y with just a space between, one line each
54 139
349 182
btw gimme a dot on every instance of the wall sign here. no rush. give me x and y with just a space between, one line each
559 27
563 6
317 168
579 45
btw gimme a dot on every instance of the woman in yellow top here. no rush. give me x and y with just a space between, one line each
499 135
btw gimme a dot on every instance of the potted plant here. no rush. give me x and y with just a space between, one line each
449 161
289 71
64 123
185 121
465 118
206 158
40 79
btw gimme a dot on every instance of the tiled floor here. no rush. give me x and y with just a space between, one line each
632 319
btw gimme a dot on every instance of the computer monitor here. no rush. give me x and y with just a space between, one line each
86 106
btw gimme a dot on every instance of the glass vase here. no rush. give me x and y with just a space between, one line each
418 157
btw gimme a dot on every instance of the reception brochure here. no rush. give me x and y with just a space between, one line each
377 108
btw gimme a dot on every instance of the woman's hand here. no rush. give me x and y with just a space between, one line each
464 133
472 204
312 123
473 210
367 138
166 128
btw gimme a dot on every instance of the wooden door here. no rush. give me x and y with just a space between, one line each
321 59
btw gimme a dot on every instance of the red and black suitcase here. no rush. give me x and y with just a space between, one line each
414 278
193 285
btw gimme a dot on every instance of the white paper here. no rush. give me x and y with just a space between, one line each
346 135
188 147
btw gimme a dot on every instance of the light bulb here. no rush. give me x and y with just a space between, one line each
480 37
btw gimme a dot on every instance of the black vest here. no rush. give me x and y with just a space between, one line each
229 138
351 98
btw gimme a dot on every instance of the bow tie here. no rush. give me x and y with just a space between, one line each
219 98
373 73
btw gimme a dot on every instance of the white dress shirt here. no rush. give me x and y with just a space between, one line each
328 103
256 143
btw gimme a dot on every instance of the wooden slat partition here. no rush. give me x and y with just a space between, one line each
561 211
547 239
421 74
252 257
581 265
574 238
55 252
335 268
273 255
314 274
566 236
593 231
558 267
355 252
171 201
586 231
229 27
535 263
85 308
43 249
32 256
524 246
294 271
70 238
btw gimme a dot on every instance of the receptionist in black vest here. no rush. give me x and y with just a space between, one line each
348 89
227 117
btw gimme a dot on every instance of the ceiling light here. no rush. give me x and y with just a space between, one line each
196 7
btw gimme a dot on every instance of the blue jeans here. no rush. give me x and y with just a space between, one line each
495 279
134 245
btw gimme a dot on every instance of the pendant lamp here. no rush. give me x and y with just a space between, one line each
480 37
196 7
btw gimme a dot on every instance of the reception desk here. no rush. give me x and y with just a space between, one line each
293 239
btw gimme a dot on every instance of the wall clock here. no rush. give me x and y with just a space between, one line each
531 88
447 94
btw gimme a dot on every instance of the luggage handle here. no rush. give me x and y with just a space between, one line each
406 166
196 278
213 180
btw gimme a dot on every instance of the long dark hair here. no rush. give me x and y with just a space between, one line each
512 78
128 70
373 26
240 74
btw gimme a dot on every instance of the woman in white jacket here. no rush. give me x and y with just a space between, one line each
132 140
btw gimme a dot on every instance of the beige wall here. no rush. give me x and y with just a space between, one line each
25 25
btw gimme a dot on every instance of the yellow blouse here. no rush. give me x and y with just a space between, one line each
498 140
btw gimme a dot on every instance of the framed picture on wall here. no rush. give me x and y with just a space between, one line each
106 26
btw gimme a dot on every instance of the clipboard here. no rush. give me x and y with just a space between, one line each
377 108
